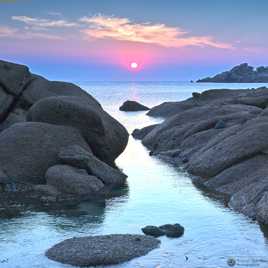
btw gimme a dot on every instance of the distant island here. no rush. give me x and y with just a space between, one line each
242 73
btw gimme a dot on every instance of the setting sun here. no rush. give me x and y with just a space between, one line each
134 65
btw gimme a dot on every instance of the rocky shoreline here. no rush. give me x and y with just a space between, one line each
58 145
221 138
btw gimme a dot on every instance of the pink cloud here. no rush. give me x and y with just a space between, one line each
122 29
6 31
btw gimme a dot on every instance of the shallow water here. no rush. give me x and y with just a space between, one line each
157 193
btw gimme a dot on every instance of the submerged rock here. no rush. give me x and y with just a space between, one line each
101 250
133 106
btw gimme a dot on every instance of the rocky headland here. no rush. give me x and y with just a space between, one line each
242 73
57 143
221 138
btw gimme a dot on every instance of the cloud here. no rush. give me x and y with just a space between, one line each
122 29
112 28
35 35
44 23
6 31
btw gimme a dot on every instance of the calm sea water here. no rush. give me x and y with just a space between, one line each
157 193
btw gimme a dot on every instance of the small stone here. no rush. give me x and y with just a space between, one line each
172 230
152 230
231 262
185 160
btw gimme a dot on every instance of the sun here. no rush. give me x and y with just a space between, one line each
134 65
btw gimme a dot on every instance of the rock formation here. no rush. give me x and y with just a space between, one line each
220 137
242 73
133 106
55 139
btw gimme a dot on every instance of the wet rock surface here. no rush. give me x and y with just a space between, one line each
39 121
102 250
220 137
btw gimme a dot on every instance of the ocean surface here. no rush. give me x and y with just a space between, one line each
157 193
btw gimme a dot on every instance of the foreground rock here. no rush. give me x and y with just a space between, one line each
101 250
133 106
242 73
220 137
40 122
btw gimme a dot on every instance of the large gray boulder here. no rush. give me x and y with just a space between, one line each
106 137
73 181
29 149
77 156
251 140
238 176
174 130
41 88
101 250
13 77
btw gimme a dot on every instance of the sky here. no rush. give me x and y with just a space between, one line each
171 40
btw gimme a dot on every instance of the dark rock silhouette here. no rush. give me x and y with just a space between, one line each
242 73
133 106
